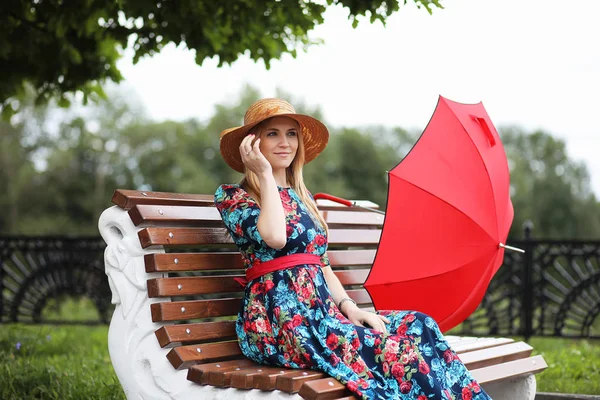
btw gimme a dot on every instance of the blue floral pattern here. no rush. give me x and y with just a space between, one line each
289 318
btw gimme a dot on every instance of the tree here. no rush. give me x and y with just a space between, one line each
548 188
65 46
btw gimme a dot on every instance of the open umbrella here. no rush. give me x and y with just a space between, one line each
448 215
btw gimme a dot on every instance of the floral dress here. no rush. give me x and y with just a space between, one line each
289 318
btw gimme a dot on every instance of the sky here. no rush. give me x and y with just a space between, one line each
534 64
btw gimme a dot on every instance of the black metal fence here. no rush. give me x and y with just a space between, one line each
551 290
35 271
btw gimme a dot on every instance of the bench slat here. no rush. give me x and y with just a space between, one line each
188 286
175 335
183 310
193 236
479 344
152 213
180 262
353 218
291 383
172 311
495 355
352 277
206 215
200 373
185 356
248 379
323 389
183 236
351 257
222 378
194 309
510 369
268 380
126 199
193 285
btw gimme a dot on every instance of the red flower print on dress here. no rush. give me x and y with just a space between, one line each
449 356
288 326
398 371
306 292
289 230
423 367
357 367
257 288
386 368
332 341
297 320
409 318
405 387
474 386
319 240
334 359
269 285
285 197
352 386
404 359
466 394
413 356
402 330
390 357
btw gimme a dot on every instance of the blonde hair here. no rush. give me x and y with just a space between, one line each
293 174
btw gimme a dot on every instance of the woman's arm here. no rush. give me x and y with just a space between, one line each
271 220
349 309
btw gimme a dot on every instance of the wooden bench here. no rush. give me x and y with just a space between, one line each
171 264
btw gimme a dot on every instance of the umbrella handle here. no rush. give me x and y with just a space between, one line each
345 202
486 129
333 198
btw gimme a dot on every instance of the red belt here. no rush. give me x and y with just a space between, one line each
277 264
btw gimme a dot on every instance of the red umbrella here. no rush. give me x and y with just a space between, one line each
448 215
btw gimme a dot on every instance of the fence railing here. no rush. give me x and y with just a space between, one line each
553 289
36 270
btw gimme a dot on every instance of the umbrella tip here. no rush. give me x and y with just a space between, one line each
502 245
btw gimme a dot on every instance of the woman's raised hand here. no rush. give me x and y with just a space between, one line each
252 158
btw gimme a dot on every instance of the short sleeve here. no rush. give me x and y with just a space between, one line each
239 212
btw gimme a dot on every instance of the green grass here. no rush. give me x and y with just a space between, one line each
573 365
70 309
50 362
72 362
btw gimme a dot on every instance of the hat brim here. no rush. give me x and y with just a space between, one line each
314 136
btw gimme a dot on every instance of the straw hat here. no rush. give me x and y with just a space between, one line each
314 134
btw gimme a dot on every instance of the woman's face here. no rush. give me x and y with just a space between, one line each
279 141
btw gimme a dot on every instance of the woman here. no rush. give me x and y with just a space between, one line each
295 311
